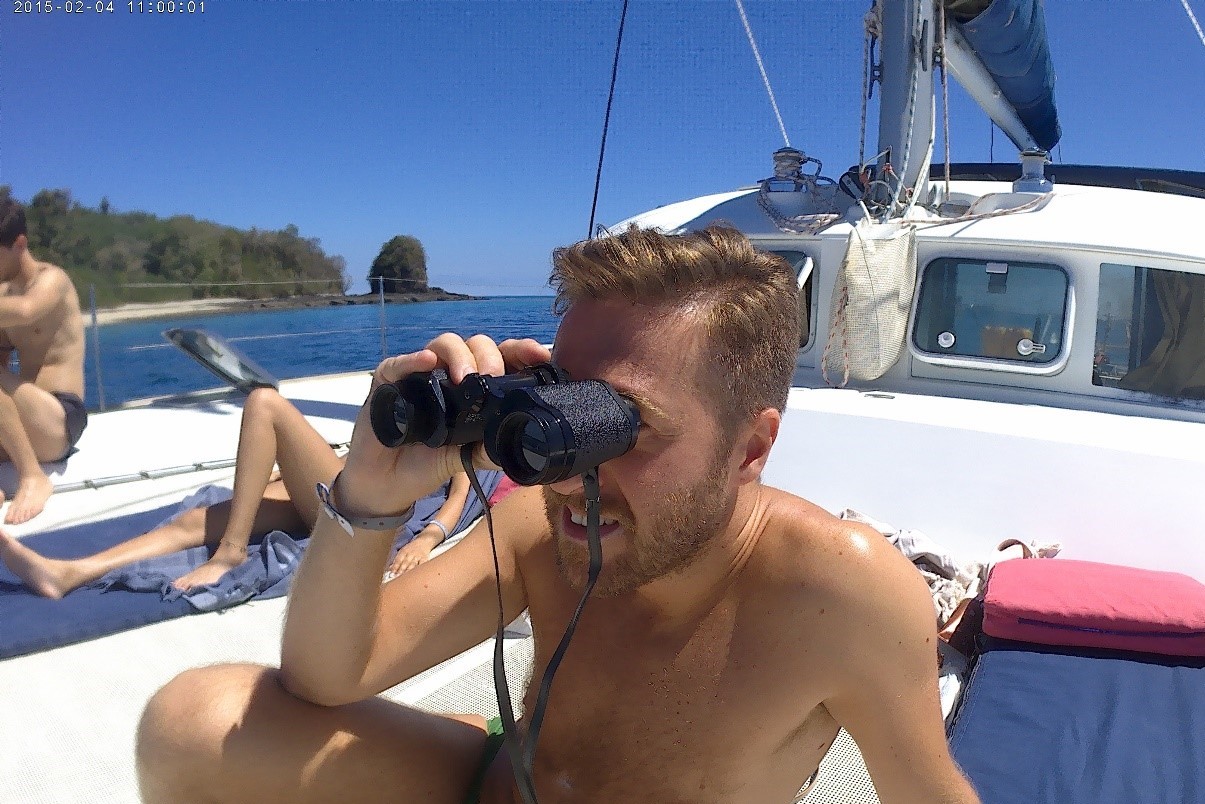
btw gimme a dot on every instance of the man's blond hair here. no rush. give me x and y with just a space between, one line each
746 301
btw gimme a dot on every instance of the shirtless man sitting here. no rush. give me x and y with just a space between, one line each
734 628
42 411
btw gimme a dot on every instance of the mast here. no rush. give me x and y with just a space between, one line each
906 105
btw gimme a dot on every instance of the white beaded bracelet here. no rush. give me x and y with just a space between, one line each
441 527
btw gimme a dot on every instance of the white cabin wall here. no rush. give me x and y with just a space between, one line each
970 474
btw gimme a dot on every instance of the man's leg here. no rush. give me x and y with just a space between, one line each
231 733
33 428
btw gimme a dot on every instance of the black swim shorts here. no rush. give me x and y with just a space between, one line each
76 416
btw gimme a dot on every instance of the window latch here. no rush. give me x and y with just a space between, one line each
1026 347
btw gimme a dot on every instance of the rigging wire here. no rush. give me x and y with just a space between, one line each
762 69
1193 18
602 148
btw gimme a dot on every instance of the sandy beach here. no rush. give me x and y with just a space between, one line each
140 311
145 311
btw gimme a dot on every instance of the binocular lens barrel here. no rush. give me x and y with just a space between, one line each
552 432
539 426
410 411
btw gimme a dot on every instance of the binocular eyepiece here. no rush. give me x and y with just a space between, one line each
537 424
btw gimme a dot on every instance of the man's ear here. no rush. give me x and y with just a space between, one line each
21 243
759 436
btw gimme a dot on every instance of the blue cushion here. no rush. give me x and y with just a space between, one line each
1082 726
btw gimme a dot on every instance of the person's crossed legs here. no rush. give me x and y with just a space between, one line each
232 733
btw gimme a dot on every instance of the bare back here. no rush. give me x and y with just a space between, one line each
50 348
726 704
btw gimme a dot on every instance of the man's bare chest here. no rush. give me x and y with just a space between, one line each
662 706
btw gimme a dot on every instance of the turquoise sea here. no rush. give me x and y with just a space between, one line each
137 362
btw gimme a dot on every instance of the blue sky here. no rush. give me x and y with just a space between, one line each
475 126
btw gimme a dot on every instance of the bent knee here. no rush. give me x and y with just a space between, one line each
185 722
263 399
202 696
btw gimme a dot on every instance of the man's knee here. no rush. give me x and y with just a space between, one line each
185 723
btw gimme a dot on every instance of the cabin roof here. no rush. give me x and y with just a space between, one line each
1098 218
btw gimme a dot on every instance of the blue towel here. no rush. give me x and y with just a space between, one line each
31 623
271 562
120 600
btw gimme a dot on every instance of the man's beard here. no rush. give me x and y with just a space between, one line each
682 525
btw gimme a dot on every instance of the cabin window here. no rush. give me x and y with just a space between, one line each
804 268
1150 331
998 310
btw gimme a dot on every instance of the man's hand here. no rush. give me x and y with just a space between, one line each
382 481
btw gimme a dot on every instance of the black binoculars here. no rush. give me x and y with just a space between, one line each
537 424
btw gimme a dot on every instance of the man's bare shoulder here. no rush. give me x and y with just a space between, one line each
49 282
831 560
58 278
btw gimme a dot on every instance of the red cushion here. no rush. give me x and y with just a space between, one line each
1086 604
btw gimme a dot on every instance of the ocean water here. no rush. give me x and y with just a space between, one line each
136 361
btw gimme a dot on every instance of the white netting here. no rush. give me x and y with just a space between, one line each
871 299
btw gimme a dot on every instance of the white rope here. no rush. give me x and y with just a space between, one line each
1033 203
762 69
1193 18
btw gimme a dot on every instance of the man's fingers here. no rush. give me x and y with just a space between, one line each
486 355
459 357
393 369
454 355
520 353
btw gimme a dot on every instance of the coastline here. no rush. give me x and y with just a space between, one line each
149 311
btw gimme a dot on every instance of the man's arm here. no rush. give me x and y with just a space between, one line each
348 637
888 700
345 639
39 298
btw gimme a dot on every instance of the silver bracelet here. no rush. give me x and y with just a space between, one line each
441 527
381 523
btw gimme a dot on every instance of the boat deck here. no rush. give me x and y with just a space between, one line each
70 713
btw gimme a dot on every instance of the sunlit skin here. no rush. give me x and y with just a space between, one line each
40 321
272 433
690 504
736 629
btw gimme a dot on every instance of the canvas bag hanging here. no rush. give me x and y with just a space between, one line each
871 300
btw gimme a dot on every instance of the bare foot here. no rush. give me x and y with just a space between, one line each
49 577
209 572
30 499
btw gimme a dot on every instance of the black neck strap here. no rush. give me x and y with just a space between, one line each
522 751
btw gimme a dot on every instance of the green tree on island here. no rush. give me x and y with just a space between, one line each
136 256
401 266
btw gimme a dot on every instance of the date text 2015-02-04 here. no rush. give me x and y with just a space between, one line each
108 6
